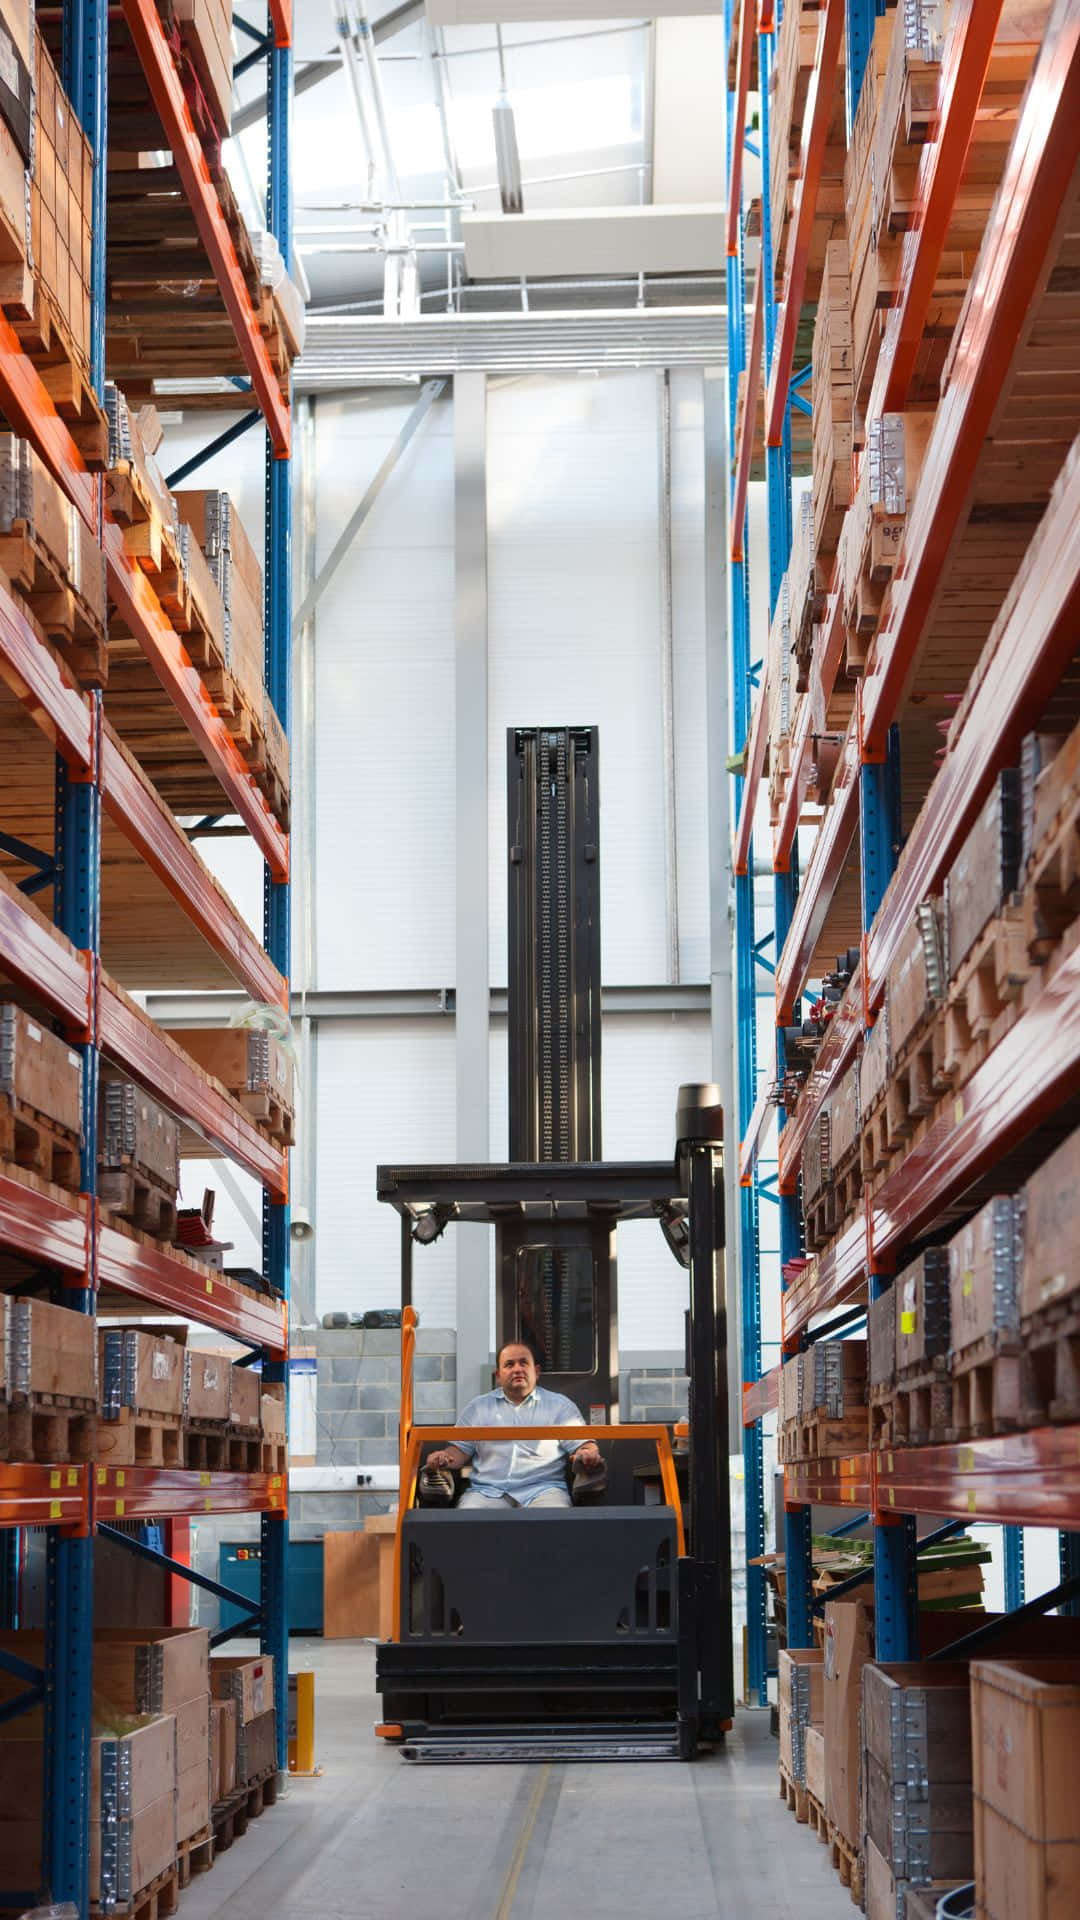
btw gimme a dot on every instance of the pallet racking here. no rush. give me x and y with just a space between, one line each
61 963
1030 1477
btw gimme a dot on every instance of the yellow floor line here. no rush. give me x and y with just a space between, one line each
528 1825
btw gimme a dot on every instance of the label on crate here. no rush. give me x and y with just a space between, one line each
9 68
968 1285
1055 1285
161 1366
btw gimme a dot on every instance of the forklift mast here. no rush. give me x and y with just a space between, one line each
557 1286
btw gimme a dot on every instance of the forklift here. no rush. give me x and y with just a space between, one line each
603 1630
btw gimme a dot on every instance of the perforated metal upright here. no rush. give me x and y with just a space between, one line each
274 1630
746 1001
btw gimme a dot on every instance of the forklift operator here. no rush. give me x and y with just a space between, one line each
521 1473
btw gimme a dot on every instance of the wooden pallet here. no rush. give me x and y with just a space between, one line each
985 994
817 1818
847 1862
229 1818
194 1855
922 1405
135 1197
28 1139
65 375
986 1387
140 1438
48 1427
1052 884
274 1456
1050 1363
882 1417
817 1437
161 1897
794 1796
836 1204
65 616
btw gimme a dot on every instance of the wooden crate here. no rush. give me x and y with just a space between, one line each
922 1310
832 396
916 1768
61 208
48 1382
1050 1271
245 1398
985 873
800 1677
140 1370
252 1065
984 1309
1025 1729
40 1099
206 1387
138 1156
796 47
52 559
205 31
151 1669
1050 842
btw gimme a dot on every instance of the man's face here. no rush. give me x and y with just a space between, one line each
517 1373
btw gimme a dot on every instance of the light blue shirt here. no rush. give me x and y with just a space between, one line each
521 1468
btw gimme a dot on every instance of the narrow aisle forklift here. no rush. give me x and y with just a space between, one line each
602 1631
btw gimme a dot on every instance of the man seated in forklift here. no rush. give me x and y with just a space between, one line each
519 1473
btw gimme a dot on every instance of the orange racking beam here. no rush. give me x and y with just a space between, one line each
1026 1479
748 1146
151 829
281 19
738 131
42 1496
1036 639
794 795
767 16
34 675
963 75
827 863
1012 266
745 451
836 1278
760 1397
818 113
31 413
148 33
43 1225
177 1284
831 1483
755 766
146 1493
160 1065
40 957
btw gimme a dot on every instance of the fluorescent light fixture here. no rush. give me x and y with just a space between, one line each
507 162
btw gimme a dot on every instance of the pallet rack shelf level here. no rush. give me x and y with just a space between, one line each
176 1493
32 1495
832 1483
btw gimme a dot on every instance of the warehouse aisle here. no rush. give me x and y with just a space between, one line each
375 1839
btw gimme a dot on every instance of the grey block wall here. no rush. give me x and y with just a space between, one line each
359 1391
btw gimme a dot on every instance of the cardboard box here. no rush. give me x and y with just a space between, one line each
250 1682
153 1671
140 1370
800 1675
815 1763
1051 1270
52 1350
132 1801
256 1748
207 1378
245 1396
848 1646
1025 1720
984 1274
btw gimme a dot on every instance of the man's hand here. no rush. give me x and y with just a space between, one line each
588 1457
449 1457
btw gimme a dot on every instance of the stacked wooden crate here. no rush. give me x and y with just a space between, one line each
873 531
800 1674
48 1382
915 1780
223 1416
824 1413
254 1066
1025 1728
832 402
204 31
138 1156
142 1388
782 705
52 559
796 45
40 1099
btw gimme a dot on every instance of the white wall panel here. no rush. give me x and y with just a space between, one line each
688 678
384 703
647 1057
574 599
385 1096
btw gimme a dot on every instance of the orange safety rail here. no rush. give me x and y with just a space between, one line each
147 31
420 1436
818 112
963 75
745 451
755 766
408 1354
738 134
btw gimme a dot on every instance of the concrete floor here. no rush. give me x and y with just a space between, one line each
376 1839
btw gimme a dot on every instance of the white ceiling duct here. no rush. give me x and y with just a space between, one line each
340 352
587 240
475 13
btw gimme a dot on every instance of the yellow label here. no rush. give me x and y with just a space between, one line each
120 1476
276 1481
958 1111
907 1322
120 1505
849 1493
73 1476
888 1460
971 1500
966 1459
969 1285
56 1478
209 1286
102 1475
892 1496
55 1509
207 1504
205 1480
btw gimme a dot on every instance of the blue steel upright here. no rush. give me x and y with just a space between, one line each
274 1632
69 1562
